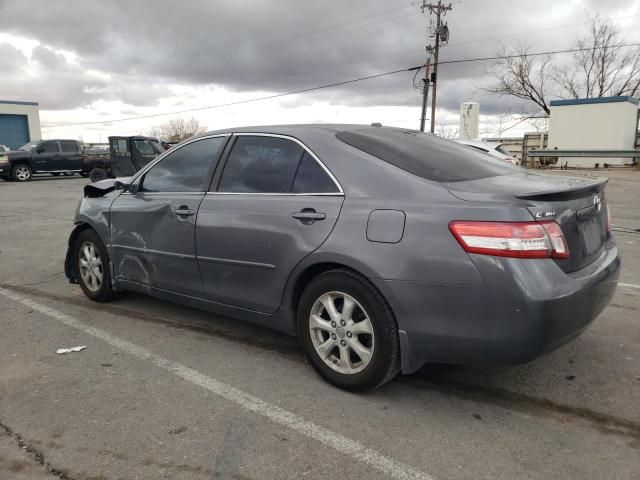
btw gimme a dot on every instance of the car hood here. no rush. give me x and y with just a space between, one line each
14 154
101 188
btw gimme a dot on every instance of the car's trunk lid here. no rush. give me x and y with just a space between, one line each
576 204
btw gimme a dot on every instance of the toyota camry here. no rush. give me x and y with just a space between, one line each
382 249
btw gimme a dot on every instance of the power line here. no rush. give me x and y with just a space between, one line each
366 21
519 34
240 102
499 37
336 84
537 54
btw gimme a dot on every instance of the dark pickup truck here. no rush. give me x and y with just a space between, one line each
44 156
126 155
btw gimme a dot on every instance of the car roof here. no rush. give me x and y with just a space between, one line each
55 140
294 130
133 137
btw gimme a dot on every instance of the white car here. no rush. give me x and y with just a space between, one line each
496 150
4 148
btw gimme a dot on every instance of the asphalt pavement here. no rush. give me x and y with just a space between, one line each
165 391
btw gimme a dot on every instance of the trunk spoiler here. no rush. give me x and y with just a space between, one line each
567 193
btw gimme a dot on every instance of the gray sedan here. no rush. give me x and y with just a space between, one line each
383 249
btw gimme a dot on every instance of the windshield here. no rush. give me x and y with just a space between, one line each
27 147
148 147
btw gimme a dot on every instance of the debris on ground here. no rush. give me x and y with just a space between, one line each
178 431
69 350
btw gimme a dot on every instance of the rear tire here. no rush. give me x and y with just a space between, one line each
93 267
21 172
348 331
84 174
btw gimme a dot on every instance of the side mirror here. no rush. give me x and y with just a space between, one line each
39 150
125 187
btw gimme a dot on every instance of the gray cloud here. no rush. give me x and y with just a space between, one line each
254 45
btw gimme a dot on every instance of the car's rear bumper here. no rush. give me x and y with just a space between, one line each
521 309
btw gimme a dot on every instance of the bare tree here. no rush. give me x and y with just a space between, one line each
604 66
522 76
177 129
447 131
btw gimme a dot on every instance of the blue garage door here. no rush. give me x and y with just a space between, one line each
14 130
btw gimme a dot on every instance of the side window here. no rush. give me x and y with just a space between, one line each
120 146
261 165
184 170
312 178
144 147
69 146
49 147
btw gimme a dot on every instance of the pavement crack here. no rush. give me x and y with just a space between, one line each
35 454
523 403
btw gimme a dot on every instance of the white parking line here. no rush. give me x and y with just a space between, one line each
628 285
340 443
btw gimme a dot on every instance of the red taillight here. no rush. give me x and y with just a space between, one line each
511 239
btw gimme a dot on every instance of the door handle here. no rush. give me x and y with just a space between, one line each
308 215
185 211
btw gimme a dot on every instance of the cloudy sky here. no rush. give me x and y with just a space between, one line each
97 61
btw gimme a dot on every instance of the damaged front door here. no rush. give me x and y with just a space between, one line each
153 229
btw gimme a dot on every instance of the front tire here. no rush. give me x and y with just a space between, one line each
92 264
348 331
21 172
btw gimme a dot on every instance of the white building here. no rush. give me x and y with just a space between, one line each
19 123
607 123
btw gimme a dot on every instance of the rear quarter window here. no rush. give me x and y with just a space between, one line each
69 146
426 155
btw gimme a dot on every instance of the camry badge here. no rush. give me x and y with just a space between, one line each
546 214
597 202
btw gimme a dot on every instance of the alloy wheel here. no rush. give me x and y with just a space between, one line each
22 173
90 265
341 332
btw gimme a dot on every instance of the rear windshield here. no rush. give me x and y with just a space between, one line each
426 155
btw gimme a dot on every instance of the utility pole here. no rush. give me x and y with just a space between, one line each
441 35
425 94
